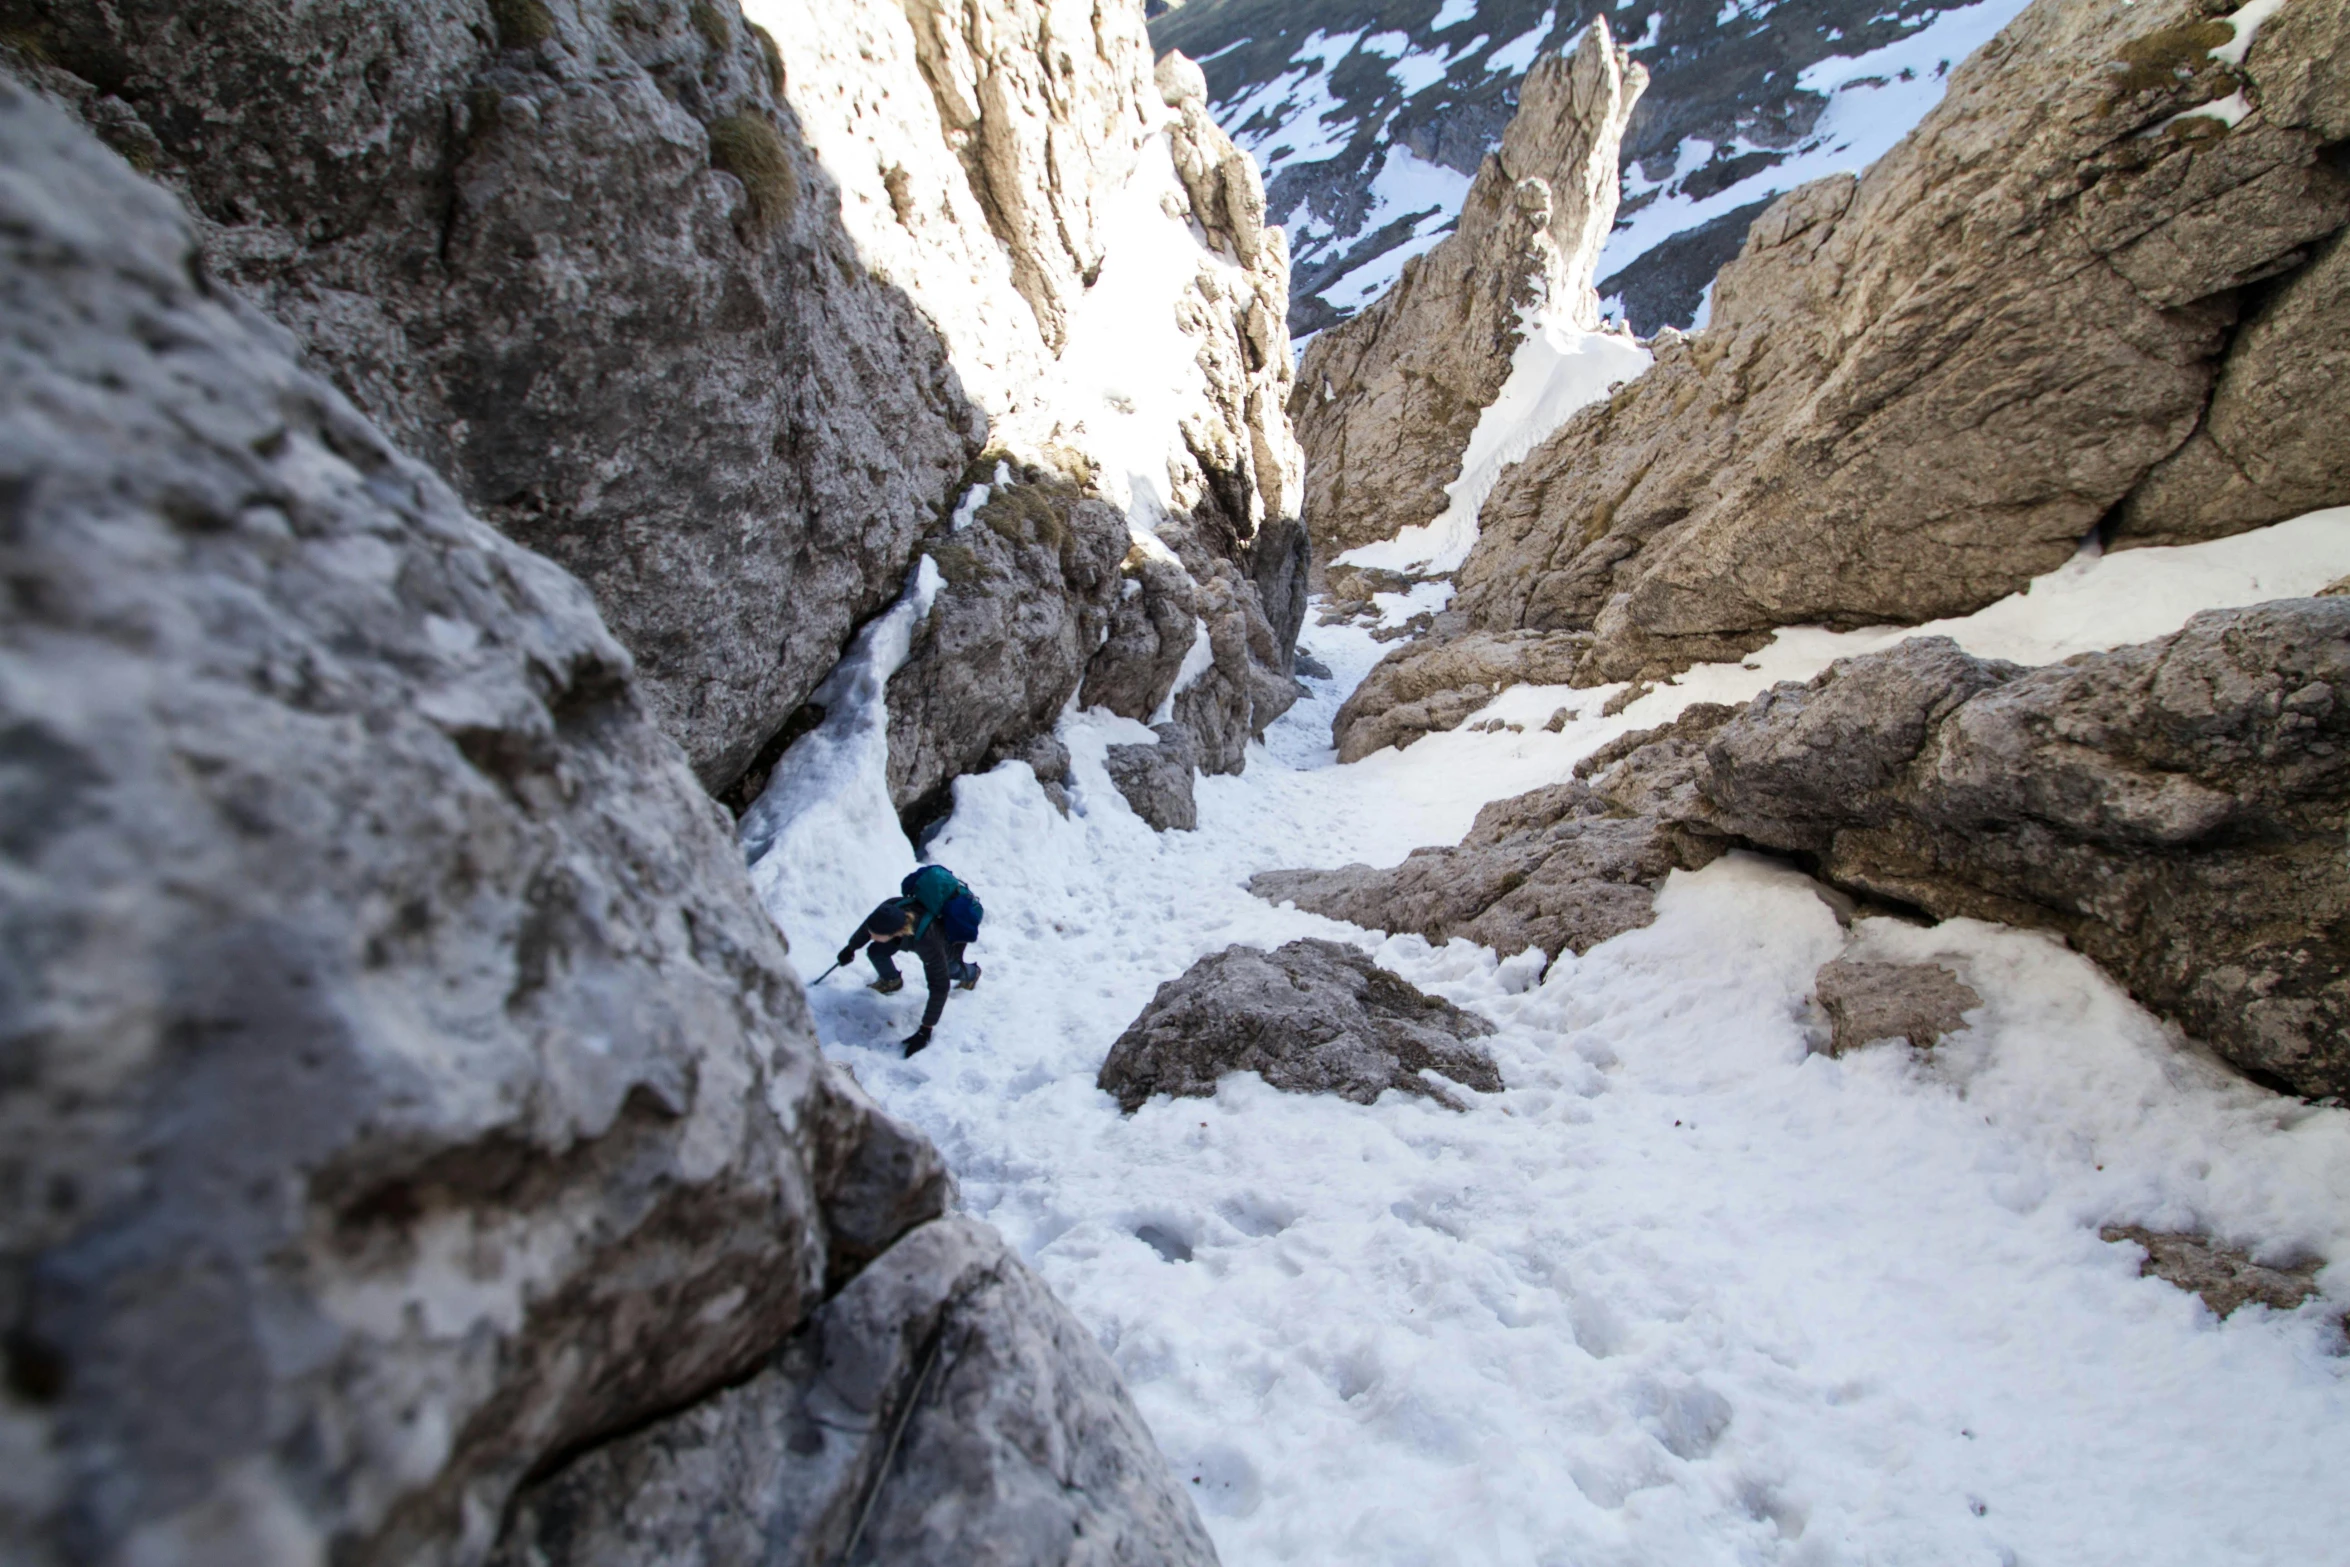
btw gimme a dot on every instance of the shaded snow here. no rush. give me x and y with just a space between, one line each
1683 1292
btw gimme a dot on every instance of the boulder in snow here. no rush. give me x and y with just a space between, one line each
1157 779
1310 1017
1869 1002
2224 1276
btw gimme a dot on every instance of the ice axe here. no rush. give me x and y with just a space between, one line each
821 978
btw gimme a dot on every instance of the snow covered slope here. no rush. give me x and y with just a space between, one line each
1685 1292
1370 116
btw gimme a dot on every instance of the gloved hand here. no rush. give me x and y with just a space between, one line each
917 1041
847 956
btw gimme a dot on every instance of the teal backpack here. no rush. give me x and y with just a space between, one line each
940 896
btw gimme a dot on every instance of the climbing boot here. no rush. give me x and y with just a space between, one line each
969 979
890 984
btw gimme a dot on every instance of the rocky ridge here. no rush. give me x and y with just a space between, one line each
1385 404
2052 309
2173 809
408 1097
730 319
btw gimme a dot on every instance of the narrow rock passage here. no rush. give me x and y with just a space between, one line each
1685 1291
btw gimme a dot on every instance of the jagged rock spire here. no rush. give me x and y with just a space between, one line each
1386 403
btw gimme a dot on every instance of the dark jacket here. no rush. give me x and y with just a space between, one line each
938 956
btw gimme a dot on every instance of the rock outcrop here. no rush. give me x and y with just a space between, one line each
1921 389
585 263
1031 576
1386 402
2174 809
720 317
406 1093
1868 1002
943 1409
1431 685
1311 1017
1047 157
1555 870
1562 868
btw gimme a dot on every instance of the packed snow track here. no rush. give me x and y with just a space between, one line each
1686 1291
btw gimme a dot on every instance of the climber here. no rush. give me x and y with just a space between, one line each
934 917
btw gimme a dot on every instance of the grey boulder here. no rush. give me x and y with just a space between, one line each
1310 1017
1157 779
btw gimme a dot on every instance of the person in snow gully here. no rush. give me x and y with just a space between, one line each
934 918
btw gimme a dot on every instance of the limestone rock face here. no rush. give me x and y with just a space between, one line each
1919 390
1386 402
719 317
406 1093
1868 1002
942 1409
1055 116
2174 809
1310 1017
1030 579
1430 685
584 262
411 1087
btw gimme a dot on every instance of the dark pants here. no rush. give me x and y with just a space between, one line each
942 965
883 954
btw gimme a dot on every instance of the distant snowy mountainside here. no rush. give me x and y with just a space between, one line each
1370 116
